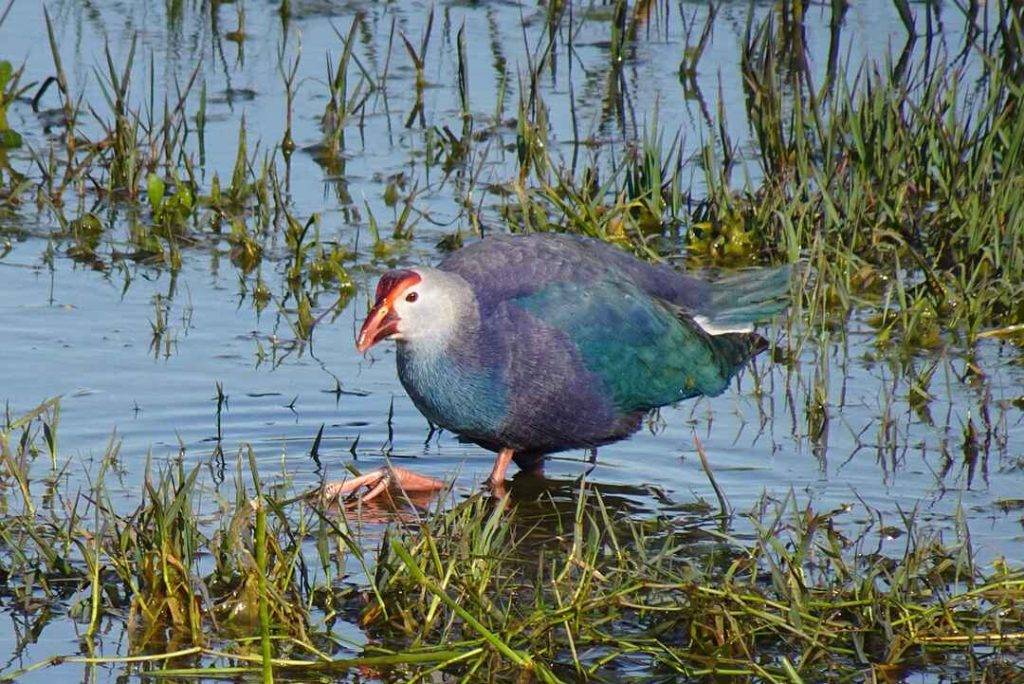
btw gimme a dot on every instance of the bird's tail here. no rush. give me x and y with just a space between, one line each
740 300
733 350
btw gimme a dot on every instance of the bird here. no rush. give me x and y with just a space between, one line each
535 343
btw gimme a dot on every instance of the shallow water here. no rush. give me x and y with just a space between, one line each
85 334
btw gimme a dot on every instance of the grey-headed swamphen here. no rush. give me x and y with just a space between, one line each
538 343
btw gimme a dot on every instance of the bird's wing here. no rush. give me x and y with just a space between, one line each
505 267
645 353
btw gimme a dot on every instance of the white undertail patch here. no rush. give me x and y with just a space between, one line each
712 328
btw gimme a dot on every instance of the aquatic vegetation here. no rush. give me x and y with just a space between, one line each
803 601
906 176
895 184
561 587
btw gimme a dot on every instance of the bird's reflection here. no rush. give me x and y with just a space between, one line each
391 506
538 506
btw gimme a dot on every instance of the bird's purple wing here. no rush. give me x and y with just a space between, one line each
501 268
504 267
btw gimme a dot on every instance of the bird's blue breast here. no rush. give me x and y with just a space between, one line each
463 397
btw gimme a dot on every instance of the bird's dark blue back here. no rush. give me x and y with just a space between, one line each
504 267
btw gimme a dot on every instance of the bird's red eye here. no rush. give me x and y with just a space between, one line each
411 297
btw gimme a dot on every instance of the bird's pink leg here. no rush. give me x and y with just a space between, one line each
393 478
496 481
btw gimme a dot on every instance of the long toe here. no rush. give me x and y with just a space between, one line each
387 479
410 481
339 488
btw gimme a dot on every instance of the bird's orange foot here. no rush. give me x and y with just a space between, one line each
387 479
497 488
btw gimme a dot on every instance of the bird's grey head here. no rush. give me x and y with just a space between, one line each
420 306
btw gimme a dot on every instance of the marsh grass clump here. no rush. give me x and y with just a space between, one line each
561 588
637 200
144 570
600 594
899 184
123 182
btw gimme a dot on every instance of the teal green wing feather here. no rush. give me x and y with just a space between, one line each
645 353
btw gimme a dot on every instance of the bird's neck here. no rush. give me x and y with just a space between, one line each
450 385
433 359
428 348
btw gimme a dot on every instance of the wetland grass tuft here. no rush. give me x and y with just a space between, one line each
899 187
803 599
558 589
896 182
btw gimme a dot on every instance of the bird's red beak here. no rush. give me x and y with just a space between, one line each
382 321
